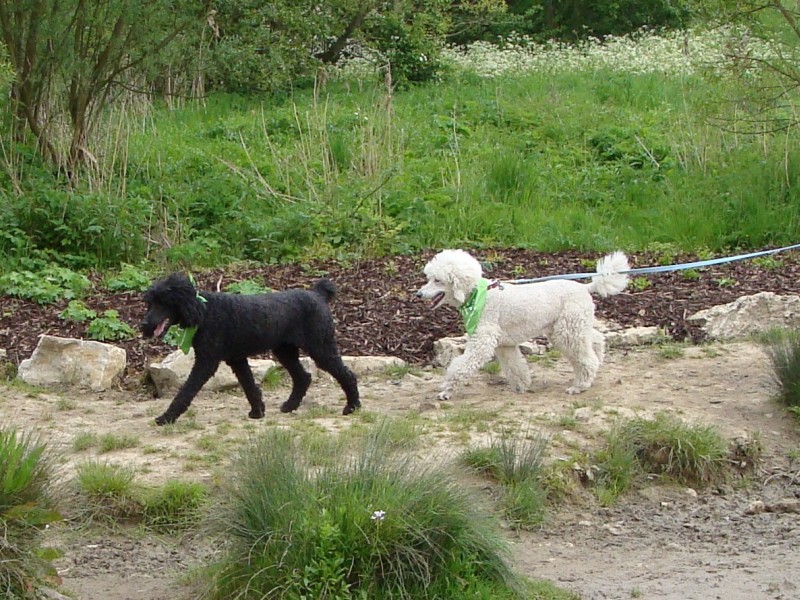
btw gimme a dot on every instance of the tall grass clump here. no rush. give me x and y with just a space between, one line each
515 463
376 525
26 507
665 446
107 493
783 349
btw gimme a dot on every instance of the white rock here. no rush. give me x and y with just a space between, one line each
73 362
749 315
169 374
635 336
360 365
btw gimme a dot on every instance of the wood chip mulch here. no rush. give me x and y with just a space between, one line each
377 312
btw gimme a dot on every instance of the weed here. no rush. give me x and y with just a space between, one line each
66 404
639 284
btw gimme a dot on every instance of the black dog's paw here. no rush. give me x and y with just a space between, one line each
288 407
165 419
257 413
351 408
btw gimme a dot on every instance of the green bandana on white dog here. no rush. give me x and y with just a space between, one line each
473 306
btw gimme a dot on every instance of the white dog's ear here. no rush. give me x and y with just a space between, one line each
463 284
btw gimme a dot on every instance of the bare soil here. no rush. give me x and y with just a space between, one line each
663 542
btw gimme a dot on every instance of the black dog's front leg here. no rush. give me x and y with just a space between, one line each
200 374
241 368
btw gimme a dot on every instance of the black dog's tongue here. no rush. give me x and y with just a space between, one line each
162 328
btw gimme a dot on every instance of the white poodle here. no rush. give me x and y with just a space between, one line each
562 310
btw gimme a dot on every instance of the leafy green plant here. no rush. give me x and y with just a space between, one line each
77 311
26 508
129 279
639 284
247 287
109 327
46 286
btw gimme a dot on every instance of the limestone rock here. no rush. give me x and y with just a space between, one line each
749 315
169 374
73 362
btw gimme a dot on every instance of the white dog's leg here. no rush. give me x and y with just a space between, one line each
599 346
514 367
574 335
478 351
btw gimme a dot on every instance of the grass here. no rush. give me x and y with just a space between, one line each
515 462
375 525
580 157
27 506
783 349
663 446
107 493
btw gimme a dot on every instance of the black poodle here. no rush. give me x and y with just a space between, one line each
231 327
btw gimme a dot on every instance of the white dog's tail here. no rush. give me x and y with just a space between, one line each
609 280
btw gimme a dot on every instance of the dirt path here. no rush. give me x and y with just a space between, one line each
661 543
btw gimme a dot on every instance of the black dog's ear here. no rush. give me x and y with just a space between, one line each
178 291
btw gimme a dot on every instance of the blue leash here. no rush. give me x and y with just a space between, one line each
663 268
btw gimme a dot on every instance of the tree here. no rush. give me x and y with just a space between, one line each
71 57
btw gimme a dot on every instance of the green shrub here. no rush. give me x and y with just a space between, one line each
375 526
26 507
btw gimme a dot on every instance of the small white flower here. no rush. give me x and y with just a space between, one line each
378 515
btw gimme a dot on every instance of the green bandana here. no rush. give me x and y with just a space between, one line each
473 306
186 334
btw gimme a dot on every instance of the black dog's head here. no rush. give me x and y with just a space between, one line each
172 301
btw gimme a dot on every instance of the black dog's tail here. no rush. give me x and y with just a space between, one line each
326 289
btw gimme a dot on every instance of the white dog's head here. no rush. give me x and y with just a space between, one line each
452 275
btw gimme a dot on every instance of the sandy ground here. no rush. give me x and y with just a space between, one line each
659 543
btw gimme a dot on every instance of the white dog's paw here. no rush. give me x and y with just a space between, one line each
443 395
573 389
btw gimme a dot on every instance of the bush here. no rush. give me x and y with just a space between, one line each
26 507
375 526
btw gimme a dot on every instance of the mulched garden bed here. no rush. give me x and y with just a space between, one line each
377 312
